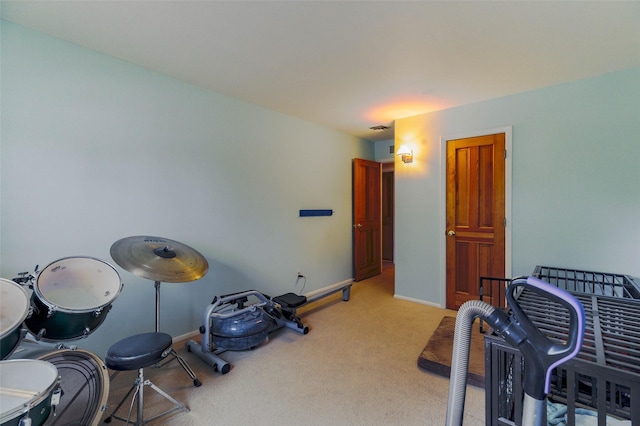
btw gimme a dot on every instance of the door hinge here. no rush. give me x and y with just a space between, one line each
505 222
505 153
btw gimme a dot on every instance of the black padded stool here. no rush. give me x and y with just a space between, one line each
136 353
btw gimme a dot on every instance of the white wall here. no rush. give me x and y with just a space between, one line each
381 151
94 149
576 181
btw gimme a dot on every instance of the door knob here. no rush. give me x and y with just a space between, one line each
357 225
451 233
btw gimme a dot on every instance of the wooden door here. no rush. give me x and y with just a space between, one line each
367 240
388 211
475 215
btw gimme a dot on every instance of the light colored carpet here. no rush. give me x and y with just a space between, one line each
357 366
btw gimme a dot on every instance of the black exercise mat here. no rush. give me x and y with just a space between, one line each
436 356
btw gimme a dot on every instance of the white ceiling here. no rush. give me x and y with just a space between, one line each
350 65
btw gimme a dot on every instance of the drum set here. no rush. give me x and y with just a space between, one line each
70 298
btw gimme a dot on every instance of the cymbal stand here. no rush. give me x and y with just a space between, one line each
182 362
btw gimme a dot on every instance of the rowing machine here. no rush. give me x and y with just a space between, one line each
232 323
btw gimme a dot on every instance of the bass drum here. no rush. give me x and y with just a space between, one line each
29 390
84 381
72 297
14 308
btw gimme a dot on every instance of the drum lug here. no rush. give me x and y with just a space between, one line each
52 310
55 400
97 312
25 421
61 346
41 333
86 332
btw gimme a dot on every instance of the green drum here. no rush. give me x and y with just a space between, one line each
30 388
14 308
72 297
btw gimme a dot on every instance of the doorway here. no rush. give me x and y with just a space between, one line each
373 217
367 222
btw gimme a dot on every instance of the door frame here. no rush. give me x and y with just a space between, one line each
508 131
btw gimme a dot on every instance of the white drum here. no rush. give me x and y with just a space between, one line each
14 309
72 297
84 381
29 391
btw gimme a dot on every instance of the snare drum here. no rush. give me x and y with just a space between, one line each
14 308
72 297
84 381
29 390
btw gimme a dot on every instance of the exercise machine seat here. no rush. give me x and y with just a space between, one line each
290 300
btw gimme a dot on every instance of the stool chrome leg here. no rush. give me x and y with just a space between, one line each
140 381
113 414
178 405
138 386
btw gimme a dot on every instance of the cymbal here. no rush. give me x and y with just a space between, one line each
159 259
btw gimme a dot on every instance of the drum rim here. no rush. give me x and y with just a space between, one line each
43 299
36 400
103 371
16 324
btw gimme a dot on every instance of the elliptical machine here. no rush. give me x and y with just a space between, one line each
232 323
541 354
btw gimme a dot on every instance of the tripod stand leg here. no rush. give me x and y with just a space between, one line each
139 388
183 364
185 367
179 405
113 413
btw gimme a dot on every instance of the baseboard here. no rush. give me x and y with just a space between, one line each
186 336
314 295
420 301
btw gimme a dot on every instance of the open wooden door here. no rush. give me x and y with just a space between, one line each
367 223
388 211
475 215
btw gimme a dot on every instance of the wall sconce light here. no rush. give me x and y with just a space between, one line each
406 154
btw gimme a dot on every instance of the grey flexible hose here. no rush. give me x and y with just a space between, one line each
460 357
